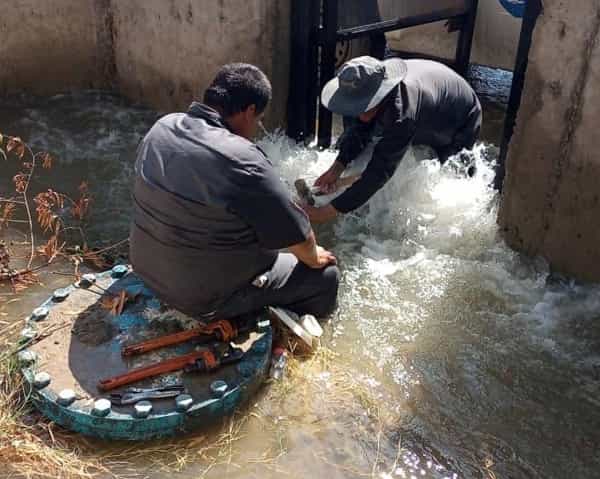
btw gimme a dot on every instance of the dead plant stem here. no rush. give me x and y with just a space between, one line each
115 245
26 200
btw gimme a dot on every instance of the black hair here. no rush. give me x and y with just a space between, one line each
237 86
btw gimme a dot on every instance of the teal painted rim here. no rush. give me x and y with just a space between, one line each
251 372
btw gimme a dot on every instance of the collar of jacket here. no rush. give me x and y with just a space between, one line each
210 115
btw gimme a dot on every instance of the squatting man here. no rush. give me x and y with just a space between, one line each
388 106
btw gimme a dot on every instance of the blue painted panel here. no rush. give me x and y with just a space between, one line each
515 7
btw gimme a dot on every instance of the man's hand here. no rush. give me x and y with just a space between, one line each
321 214
311 254
327 181
324 258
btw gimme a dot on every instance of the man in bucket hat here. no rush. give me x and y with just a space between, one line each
397 103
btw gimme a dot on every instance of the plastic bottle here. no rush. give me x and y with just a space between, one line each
278 363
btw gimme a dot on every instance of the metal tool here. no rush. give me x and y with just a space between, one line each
134 395
222 330
203 360
227 356
304 191
308 193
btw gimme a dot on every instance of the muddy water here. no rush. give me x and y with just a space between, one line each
454 356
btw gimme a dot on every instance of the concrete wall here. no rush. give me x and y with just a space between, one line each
551 197
51 46
167 51
494 44
159 52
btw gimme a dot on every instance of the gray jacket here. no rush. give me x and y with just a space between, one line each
210 212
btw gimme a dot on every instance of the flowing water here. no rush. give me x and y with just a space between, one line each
454 355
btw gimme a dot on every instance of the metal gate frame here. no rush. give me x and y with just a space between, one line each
533 10
314 35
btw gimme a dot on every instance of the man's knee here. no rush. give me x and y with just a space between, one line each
331 278
330 285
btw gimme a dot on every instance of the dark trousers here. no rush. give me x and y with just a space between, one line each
465 137
289 284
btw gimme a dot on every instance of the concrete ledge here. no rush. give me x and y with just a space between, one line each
551 199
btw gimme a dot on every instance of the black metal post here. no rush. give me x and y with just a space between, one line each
533 9
465 39
329 35
329 26
302 107
377 45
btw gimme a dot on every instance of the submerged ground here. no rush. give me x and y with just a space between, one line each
454 355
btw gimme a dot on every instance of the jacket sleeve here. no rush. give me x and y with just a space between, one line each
265 204
387 155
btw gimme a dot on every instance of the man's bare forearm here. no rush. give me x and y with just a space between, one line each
306 251
311 254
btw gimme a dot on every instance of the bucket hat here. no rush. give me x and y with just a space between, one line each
361 84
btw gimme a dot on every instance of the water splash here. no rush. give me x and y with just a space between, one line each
463 325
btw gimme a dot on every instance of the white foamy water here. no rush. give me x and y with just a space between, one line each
488 362
429 227
470 332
